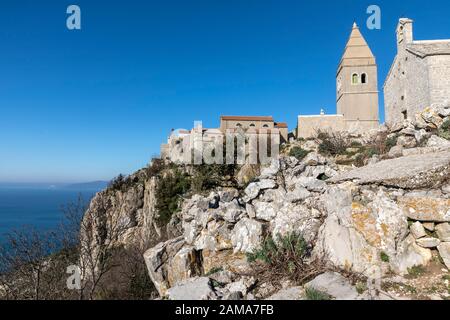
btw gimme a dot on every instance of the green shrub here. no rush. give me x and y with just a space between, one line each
287 256
390 142
444 130
384 257
332 143
170 188
298 153
207 177
416 271
314 294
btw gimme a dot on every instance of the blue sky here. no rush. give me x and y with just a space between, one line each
90 104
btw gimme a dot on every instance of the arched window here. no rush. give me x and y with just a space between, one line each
364 78
252 125
238 125
265 126
355 78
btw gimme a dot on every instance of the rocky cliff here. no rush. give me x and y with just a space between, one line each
373 217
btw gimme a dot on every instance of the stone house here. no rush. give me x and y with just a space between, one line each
419 75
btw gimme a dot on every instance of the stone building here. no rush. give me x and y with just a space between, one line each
419 76
356 93
254 123
180 143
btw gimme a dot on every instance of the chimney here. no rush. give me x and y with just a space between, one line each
404 32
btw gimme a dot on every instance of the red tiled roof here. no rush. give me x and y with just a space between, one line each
246 118
281 125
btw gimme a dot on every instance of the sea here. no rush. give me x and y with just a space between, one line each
38 206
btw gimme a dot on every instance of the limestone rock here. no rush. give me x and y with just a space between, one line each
354 233
298 194
407 141
271 170
314 159
395 152
444 251
253 190
288 294
429 226
438 142
247 235
156 258
417 230
443 231
193 289
265 210
312 184
296 219
409 254
243 285
411 172
228 195
425 208
428 242
335 285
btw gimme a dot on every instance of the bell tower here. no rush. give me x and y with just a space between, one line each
357 83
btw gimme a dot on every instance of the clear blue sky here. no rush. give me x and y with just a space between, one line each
90 104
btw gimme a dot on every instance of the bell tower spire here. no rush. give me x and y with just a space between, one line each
356 81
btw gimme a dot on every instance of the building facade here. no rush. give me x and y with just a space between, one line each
181 143
356 93
419 75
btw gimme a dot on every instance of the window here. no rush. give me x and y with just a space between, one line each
405 114
355 78
265 126
238 125
364 78
252 125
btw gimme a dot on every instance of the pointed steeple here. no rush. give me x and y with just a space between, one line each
357 50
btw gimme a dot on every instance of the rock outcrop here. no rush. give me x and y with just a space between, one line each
389 216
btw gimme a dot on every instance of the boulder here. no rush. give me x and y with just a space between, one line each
298 194
296 219
270 171
266 211
409 255
443 231
312 184
411 172
444 251
243 285
406 141
156 261
334 285
314 159
429 226
438 142
288 294
425 208
228 194
428 242
396 152
355 233
193 289
253 190
247 235
417 230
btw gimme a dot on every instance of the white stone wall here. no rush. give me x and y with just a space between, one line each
407 87
439 75
417 90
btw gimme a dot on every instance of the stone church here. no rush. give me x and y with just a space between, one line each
356 93
419 76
